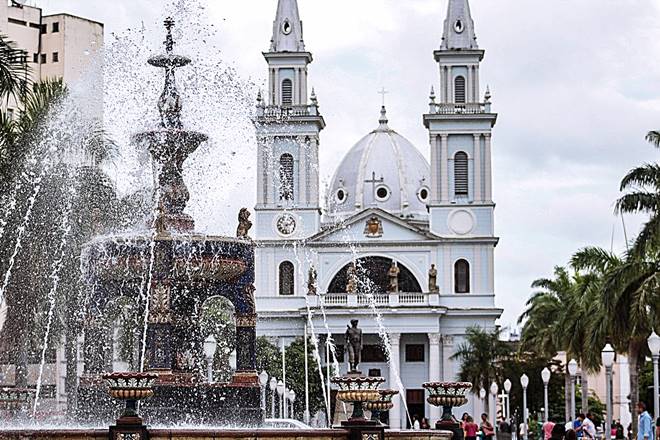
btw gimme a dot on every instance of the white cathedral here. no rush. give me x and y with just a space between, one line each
421 233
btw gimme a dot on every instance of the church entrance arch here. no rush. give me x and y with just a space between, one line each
372 274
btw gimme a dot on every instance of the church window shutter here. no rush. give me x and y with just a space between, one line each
286 279
286 177
461 182
287 93
462 277
459 89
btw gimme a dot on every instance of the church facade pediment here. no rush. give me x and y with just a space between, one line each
371 226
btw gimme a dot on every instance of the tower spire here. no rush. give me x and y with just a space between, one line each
287 28
459 28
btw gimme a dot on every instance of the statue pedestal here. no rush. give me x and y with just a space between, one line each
129 428
364 429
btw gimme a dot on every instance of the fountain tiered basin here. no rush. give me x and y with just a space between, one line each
448 395
383 404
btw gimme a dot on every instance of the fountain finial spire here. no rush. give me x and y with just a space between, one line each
169 40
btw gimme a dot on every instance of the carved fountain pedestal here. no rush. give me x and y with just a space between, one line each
172 271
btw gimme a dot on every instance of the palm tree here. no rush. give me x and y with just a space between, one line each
13 71
643 196
555 320
481 357
629 303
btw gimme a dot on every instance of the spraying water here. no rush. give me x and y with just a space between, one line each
65 229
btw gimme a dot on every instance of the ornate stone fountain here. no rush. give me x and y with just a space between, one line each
448 395
173 271
358 389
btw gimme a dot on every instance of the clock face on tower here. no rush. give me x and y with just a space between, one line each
286 224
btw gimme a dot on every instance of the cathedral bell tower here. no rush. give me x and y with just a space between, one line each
460 125
288 124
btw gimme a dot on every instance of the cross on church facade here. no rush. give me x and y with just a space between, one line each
374 182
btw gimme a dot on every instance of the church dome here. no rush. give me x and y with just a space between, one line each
382 170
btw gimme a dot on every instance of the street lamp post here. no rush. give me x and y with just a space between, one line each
292 399
280 392
210 344
493 410
263 383
654 346
572 371
607 356
482 396
545 376
524 381
273 390
507 388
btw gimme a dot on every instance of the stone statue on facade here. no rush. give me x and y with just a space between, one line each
311 281
353 345
433 279
393 275
351 279
244 223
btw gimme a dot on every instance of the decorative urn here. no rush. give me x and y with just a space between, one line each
384 403
12 399
358 390
130 387
448 395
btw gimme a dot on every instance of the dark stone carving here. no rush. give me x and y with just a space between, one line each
244 223
353 345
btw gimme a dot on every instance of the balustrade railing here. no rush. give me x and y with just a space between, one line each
380 299
454 108
277 113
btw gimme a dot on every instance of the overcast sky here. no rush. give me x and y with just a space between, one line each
576 84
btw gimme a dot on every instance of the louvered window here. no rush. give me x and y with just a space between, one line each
286 279
462 277
459 90
287 93
286 177
461 174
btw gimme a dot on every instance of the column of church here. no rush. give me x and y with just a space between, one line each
444 168
477 168
434 370
488 196
447 351
395 368
303 182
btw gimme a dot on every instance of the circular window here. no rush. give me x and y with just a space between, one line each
341 195
382 193
458 26
423 194
286 27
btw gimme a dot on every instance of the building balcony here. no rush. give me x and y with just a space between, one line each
450 108
379 300
275 305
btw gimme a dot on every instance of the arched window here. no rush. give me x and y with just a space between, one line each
461 185
459 90
287 93
462 277
286 177
286 278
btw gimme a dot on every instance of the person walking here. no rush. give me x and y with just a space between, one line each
547 429
487 428
644 424
588 427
